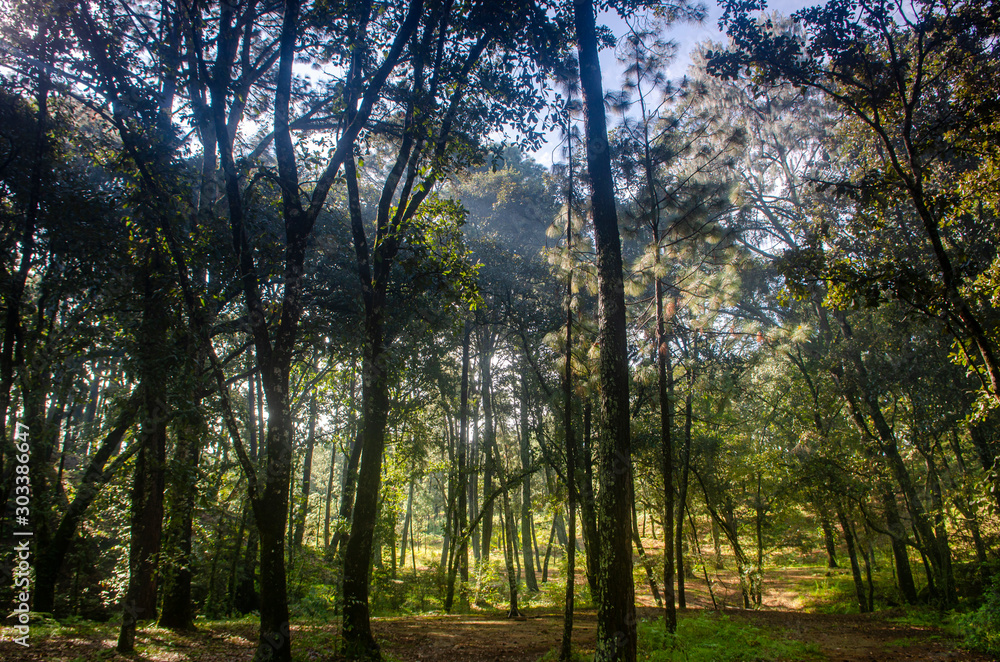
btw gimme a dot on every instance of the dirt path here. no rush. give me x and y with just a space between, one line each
841 638
488 638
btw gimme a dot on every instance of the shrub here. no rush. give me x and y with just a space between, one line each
982 627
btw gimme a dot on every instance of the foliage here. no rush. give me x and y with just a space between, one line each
982 626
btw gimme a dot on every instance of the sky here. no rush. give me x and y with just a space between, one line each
685 35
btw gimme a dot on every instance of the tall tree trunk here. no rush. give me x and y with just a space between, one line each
526 545
303 509
665 388
897 539
489 438
683 487
350 483
616 622
587 504
146 527
473 475
510 535
463 473
328 510
358 550
572 464
178 610
450 514
148 479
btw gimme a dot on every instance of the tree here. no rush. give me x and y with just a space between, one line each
894 72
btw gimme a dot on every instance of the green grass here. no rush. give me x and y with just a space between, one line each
710 637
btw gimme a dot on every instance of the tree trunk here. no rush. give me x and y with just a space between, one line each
717 544
328 511
473 475
407 524
548 551
510 535
303 509
587 504
148 480
859 588
146 527
349 479
526 546
616 622
358 638
463 473
178 611
685 476
572 464
897 539
489 438
347 493
828 539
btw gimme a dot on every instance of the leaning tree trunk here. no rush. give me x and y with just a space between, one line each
51 558
859 587
616 622
644 560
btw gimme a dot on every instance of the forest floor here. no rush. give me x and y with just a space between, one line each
492 638
788 614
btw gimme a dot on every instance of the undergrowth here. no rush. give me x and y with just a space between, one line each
982 626
710 637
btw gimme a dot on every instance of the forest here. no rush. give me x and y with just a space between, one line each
331 327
